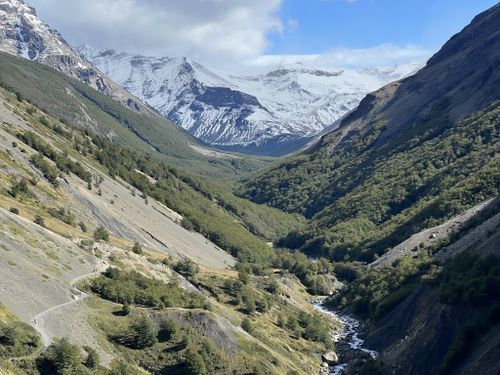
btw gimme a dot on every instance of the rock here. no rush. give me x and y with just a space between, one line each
324 364
330 357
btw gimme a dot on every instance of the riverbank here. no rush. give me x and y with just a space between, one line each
349 346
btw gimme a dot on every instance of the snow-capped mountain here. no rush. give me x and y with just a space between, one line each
23 34
260 112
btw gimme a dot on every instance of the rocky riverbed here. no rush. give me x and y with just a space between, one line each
349 346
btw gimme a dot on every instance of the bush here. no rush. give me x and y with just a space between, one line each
168 330
61 358
101 234
83 226
195 365
186 267
141 334
134 288
14 210
137 248
92 360
19 187
39 220
247 325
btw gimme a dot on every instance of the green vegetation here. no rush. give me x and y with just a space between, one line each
137 248
39 220
147 132
376 292
101 234
63 163
135 289
140 334
186 267
168 330
365 196
471 280
17 339
232 223
195 365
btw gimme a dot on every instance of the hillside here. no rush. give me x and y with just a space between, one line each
270 113
414 154
23 34
100 258
435 310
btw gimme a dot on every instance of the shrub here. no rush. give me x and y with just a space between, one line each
137 248
247 325
141 334
92 360
14 210
61 358
186 267
168 330
195 365
101 234
39 220
83 226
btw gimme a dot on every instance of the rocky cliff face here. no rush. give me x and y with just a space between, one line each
23 34
271 112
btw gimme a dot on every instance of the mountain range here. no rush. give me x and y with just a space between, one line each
272 112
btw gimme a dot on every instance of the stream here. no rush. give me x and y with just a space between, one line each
349 346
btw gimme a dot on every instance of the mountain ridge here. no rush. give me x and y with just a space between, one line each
251 113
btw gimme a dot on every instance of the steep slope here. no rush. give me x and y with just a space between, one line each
269 113
23 34
72 204
82 107
413 154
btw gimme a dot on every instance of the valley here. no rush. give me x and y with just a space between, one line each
138 236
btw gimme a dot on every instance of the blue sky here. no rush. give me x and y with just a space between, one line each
234 34
320 25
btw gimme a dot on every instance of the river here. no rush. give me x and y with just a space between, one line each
348 343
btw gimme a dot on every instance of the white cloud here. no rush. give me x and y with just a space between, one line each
204 29
226 34
382 55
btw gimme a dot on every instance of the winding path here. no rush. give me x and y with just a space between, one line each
39 322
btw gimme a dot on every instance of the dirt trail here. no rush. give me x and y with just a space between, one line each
39 322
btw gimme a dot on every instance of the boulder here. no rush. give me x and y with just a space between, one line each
330 357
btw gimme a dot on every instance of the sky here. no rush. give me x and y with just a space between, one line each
244 33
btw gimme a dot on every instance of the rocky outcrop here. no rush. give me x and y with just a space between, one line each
330 357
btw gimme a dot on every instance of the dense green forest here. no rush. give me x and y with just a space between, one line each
363 197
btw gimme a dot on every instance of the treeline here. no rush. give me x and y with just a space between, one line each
133 288
63 162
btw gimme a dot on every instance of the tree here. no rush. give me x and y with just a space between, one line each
141 333
195 365
39 220
281 321
7 336
92 360
168 330
101 234
186 267
247 325
244 276
63 358
126 308
137 248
